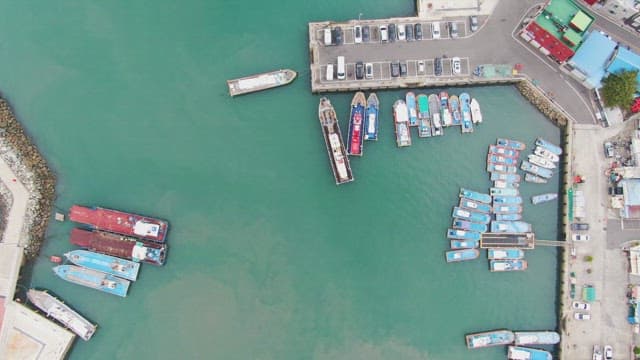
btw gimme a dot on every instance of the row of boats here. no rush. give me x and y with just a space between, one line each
518 342
540 165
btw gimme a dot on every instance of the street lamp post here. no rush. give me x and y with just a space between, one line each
359 16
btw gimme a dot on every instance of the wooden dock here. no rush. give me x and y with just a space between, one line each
524 241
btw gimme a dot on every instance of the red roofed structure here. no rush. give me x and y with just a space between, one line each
555 48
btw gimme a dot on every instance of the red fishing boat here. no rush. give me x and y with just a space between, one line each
358 106
138 226
118 245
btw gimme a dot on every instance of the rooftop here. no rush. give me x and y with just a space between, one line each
593 55
625 59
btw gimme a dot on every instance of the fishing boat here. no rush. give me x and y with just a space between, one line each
468 225
401 120
512 178
504 151
506 200
501 184
502 168
356 119
507 209
336 151
258 82
371 125
538 199
470 215
549 146
454 109
125 269
474 195
540 151
465 109
540 161
410 99
510 226
507 265
506 253
461 255
434 110
524 353
534 179
508 217
93 279
424 116
142 227
499 159
536 170
464 244
463 234
447 120
511 144
476 115
536 337
503 192
489 338
65 315
121 246
475 205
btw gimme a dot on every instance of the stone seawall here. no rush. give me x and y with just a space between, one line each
22 156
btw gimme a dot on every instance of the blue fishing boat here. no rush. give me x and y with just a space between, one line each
356 119
410 99
507 209
503 192
463 234
424 116
462 255
536 337
454 109
508 217
502 168
468 225
510 226
511 144
549 146
536 170
371 126
503 151
401 120
507 253
93 279
436 121
507 265
474 195
471 216
444 109
512 178
538 199
475 205
465 108
506 200
528 177
499 159
464 244
524 353
105 263
489 338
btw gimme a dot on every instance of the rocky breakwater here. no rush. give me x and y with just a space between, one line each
543 102
19 152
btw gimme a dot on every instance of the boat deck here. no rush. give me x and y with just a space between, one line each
120 222
260 82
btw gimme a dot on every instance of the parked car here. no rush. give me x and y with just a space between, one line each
608 352
421 67
366 33
579 226
395 69
580 237
435 30
409 31
437 66
577 305
392 32
456 67
368 70
359 70
357 34
403 69
384 33
418 31
473 23
337 35
597 352
581 316
453 29
328 37
608 150
401 32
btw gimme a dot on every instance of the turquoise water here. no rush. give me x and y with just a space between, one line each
268 258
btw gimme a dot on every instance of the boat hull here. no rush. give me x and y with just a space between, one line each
372 125
93 279
549 146
62 313
474 195
259 82
503 254
356 124
489 338
463 235
507 265
511 144
536 337
120 246
401 120
458 244
104 263
336 151
461 255
468 225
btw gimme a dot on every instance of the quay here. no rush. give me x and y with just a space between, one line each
525 241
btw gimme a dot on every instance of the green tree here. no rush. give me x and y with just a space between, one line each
618 89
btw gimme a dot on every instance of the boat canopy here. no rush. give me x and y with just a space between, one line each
143 228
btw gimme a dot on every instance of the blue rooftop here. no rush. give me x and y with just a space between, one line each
592 56
626 60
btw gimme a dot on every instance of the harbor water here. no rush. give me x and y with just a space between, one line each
268 258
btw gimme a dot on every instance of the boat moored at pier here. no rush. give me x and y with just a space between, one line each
502 168
471 216
541 161
501 184
539 199
146 228
476 114
511 144
524 353
512 178
65 315
543 152
93 279
528 177
356 122
424 116
338 158
536 170
505 253
436 120
536 337
447 120
462 255
507 209
507 265
508 217
489 338
474 195
463 234
258 82
454 109
510 227
504 151
475 205
499 200
410 99
121 246
499 159
468 225
373 109
465 109
105 263
549 146
401 120
503 191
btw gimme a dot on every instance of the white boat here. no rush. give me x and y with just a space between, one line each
259 82
61 312
540 151
538 199
542 162
476 115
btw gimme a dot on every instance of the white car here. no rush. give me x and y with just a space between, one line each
456 67
402 33
582 316
597 352
576 305
368 70
420 66
384 33
357 34
580 237
435 30
608 352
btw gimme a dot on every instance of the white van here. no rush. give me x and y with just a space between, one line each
327 37
384 34
341 69
401 32
329 72
435 30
